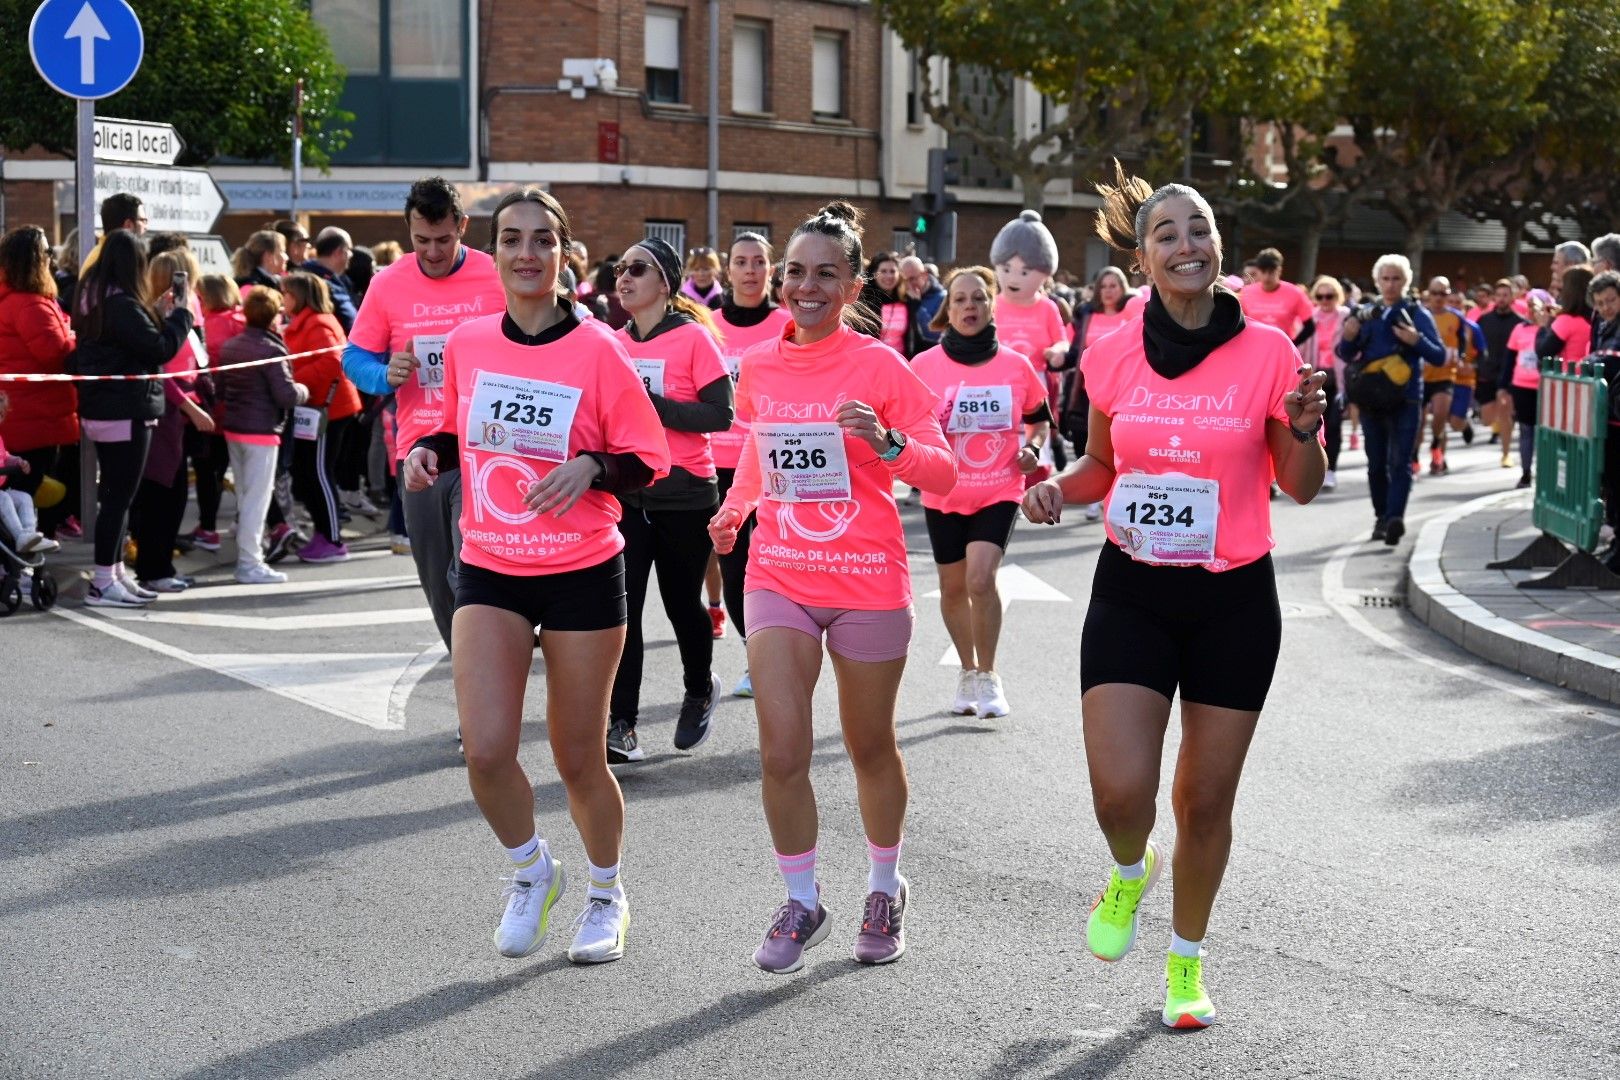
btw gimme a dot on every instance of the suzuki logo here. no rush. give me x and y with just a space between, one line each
1175 440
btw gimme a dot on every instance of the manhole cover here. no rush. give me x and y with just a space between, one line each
1381 600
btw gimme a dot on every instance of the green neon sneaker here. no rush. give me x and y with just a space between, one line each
1111 928
1186 1003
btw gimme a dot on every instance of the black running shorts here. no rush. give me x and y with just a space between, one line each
588 599
1213 636
950 534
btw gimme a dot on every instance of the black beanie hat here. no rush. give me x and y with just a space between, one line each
669 263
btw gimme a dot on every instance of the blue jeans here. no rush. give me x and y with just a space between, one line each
1389 442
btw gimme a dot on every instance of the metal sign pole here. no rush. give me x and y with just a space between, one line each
84 173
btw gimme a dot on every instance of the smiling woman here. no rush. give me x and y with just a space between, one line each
1184 597
551 422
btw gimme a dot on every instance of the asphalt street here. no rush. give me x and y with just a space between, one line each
236 841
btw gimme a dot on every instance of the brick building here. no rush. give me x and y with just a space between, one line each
607 103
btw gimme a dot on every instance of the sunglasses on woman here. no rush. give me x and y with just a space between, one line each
1326 296
634 269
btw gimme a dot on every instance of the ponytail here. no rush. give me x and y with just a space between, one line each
699 313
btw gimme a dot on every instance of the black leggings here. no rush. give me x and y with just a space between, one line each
1334 421
120 465
676 542
210 457
154 521
314 479
734 564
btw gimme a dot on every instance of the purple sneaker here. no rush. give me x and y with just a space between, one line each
321 550
882 938
793 930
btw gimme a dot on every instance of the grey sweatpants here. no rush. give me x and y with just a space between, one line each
433 520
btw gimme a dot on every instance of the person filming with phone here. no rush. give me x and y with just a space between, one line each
1384 347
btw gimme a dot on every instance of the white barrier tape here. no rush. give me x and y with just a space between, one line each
166 374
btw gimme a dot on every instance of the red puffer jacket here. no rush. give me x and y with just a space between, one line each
35 340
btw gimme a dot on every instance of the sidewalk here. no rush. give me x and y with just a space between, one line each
1568 637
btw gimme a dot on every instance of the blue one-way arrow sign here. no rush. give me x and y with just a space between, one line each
86 49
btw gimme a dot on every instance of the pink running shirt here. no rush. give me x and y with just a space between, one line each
726 445
1576 334
1030 331
1102 323
1286 307
851 553
1210 424
613 415
986 460
404 303
690 360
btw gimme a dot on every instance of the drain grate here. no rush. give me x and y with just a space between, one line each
1381 600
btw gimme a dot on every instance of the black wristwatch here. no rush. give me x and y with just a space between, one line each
1305 436
897 443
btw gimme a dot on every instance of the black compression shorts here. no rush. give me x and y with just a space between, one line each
950 534
1213 636
589 599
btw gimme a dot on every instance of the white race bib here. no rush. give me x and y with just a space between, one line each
522 417
982 408
429 352
1165 519
802 462
652 375
306 423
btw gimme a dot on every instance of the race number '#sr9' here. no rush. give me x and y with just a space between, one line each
790 458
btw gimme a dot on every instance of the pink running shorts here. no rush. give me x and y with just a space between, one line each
871 637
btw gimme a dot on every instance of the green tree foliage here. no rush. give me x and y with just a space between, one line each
221 71
1126 76
1437 95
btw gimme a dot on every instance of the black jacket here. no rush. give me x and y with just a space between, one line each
129 343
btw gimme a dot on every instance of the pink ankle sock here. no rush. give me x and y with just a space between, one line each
799 871
884 876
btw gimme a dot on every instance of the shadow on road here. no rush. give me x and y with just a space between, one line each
1574 774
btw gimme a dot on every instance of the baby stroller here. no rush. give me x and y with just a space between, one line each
19 572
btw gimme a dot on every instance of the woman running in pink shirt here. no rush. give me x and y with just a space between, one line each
1192 408
834 418
994 409
546 416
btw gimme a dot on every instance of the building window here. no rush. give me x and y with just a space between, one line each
672 233
354 27
663 53
424 39
914 112
827 74
743 227
902 241
749 41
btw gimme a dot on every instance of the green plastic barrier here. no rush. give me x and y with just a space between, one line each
1571 423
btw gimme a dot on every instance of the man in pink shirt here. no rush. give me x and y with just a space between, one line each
1271 300
397 347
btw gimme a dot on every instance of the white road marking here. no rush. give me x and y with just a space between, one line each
319 621
360 687
1346 603
400 695
344 587
1014 583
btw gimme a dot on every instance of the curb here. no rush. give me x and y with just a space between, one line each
1500 641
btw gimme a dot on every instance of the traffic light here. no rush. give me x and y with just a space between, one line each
933 216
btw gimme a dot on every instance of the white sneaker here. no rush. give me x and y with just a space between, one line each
599 930
1094 511
744 687
260 575
527 917
36 543
992 699
967 693
114 594
127 580
356 502
1329 481
399 544
167 585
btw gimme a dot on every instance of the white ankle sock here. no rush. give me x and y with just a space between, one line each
531 861
883 873
1134 871
605 882
799 872
102 577
1182 947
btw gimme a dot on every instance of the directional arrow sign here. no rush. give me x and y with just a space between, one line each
175 200
1014 583
137 141
86 49
213 254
